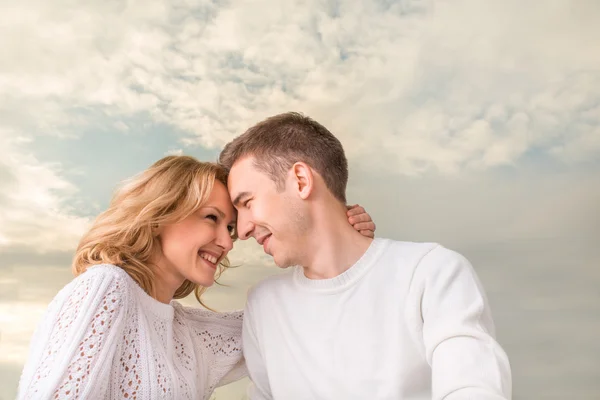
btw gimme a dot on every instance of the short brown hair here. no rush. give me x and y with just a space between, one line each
282 140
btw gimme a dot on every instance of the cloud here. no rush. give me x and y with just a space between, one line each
489 111
24 296
175 152
481 209
32 213
18 321
9 378
410 86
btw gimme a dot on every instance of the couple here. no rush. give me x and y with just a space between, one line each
354 318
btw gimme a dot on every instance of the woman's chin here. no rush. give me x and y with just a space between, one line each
204 281
208 283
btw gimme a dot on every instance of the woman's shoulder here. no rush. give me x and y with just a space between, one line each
107 270
106 275
97 279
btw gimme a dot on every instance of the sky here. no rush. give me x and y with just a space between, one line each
472 123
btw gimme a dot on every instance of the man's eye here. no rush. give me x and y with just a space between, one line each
212 216
246 203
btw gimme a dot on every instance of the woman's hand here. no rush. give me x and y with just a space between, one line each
361 220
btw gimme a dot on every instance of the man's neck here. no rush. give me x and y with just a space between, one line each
336 247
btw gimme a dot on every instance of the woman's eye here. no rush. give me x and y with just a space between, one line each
212 216
231 229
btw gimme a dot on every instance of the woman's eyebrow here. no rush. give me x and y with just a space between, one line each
221 213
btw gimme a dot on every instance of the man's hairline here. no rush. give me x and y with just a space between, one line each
260 167
259 163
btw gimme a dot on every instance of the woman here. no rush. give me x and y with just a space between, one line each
114 331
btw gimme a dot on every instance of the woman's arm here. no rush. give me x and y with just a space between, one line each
218 338
361 220
73 347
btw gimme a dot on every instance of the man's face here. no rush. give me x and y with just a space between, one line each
274 218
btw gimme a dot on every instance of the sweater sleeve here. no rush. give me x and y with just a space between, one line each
218 337
259 388
73 347
457 330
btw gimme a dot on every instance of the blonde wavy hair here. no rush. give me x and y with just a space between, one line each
125 234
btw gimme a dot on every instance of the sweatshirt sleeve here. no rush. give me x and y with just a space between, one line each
457 331
218 337
259 388
72 349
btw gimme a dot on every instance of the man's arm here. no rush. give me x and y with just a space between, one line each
259 388
458 331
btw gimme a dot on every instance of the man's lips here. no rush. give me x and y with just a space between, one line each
264 241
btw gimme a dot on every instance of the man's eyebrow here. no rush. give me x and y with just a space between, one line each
238 198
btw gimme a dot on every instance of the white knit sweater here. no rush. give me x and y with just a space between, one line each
103 337
408 321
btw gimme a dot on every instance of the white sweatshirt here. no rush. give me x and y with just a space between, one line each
408 321
103 337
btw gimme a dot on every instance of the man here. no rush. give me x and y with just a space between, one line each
353 317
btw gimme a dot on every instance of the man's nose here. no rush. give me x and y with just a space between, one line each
245 227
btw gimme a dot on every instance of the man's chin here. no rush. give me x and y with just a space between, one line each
280 265
283 264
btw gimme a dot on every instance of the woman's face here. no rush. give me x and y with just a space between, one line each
193 248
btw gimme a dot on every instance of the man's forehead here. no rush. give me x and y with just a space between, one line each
241 178
243 163
237 172
244 171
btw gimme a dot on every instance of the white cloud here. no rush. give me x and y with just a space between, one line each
413 87
174 152
481 209
18 321
410 86
32 213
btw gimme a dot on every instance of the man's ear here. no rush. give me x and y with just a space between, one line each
302 179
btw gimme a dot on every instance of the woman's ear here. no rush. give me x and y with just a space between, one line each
156 230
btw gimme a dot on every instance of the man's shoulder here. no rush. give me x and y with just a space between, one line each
441 262
429 255
441 255
424 263
271 284
407 250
